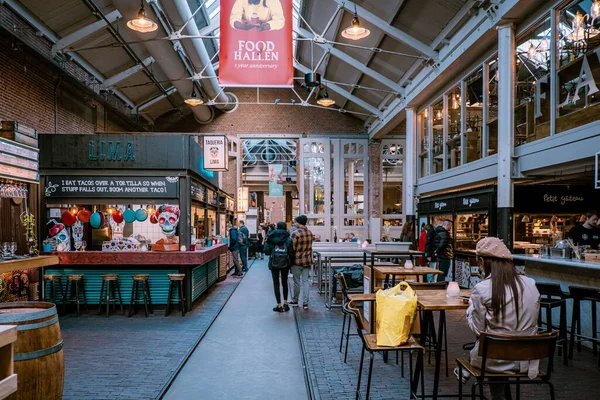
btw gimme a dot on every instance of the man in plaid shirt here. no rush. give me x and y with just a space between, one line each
302 240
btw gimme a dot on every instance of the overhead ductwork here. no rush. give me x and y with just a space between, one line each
178 12
164 55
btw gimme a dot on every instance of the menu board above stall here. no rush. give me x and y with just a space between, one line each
556 199
198 192
112 186
213 197
18 161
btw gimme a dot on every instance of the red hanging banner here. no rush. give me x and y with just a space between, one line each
256 43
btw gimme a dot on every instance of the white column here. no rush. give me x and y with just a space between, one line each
506 123
409 165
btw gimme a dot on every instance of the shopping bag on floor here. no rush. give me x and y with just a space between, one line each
396 310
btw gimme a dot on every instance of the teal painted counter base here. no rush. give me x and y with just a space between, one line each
203 277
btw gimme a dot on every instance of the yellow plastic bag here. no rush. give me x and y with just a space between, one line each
395 313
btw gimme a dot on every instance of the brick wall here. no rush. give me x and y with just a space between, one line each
271 118
229 178
29 90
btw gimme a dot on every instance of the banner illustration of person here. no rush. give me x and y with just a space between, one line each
256 43
275 180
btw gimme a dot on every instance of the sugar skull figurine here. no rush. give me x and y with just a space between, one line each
167 217
58 234
214 152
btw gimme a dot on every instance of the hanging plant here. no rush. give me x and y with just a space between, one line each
28 221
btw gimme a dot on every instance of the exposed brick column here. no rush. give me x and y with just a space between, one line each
375 191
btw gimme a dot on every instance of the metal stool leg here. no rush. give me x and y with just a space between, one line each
84 296
343 330
168 311
145 300
101 296
64 297
133 298
118 284
370 375
76 284
109 293
147 286
594 343
181 299
573 327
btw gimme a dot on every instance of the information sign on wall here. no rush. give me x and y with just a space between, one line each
113 186
216 154
18 161
242 199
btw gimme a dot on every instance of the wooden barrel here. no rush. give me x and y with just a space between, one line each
39 361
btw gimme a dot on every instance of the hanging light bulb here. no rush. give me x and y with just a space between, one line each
544 46
531 51
355 31
525 219
356 172
325 100
438 114
426 113
193 100
142 23
497 75
455 101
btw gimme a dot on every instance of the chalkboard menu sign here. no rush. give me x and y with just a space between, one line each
198 192
213 197
112 187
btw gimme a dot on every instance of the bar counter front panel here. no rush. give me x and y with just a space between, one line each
201 269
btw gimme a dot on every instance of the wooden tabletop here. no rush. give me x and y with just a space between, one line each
27 263
397 270
436 300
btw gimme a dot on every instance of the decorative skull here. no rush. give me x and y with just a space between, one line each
214 152
168 218
58 235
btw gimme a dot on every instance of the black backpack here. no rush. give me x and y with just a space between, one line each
242 238
279 257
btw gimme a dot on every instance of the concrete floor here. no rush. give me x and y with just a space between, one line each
250 352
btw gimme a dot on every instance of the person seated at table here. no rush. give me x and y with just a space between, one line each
506 303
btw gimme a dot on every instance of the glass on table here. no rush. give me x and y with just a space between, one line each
12 248
5 246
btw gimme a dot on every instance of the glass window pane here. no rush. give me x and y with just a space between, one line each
438 137
533 66
474 115
354 178
454 127
492 123
314 185
578 65
423 143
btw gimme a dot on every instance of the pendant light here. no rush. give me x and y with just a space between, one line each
142 23
356 172
325 100
193 100
355 31
531 51
525 219
398 203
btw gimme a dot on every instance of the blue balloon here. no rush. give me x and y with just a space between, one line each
95 220
129 216
141 215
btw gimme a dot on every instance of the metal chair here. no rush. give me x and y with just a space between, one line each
369 342
510 348
551 297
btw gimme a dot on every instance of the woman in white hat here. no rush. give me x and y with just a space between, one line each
505 302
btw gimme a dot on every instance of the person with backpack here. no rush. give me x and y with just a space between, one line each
278 247
302 240
234 248
244 241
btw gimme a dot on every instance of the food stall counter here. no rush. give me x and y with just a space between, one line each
200 267
27 263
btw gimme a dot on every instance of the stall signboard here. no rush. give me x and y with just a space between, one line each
437 206
256 44
275 180
212 197
473 202
242 199
198 192
18 161
112 187
556 199
216 153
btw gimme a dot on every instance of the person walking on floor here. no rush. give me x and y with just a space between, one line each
244 240
260 244
302 240
278 247
506 303
442 248
234 248
429 247
408 234
422 240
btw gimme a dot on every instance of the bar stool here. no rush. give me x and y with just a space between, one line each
143 280
176 281
55 287
579 294
112 285
76 293
551 297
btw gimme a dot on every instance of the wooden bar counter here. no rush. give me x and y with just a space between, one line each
200 267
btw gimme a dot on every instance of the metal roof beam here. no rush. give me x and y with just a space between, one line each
113 80
335 88
353 62
462 13
213 26
84 32
156 99
390 30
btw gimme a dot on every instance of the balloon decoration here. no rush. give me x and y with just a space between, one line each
68 219
129 216
97 220
84 215
117 216
141 215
